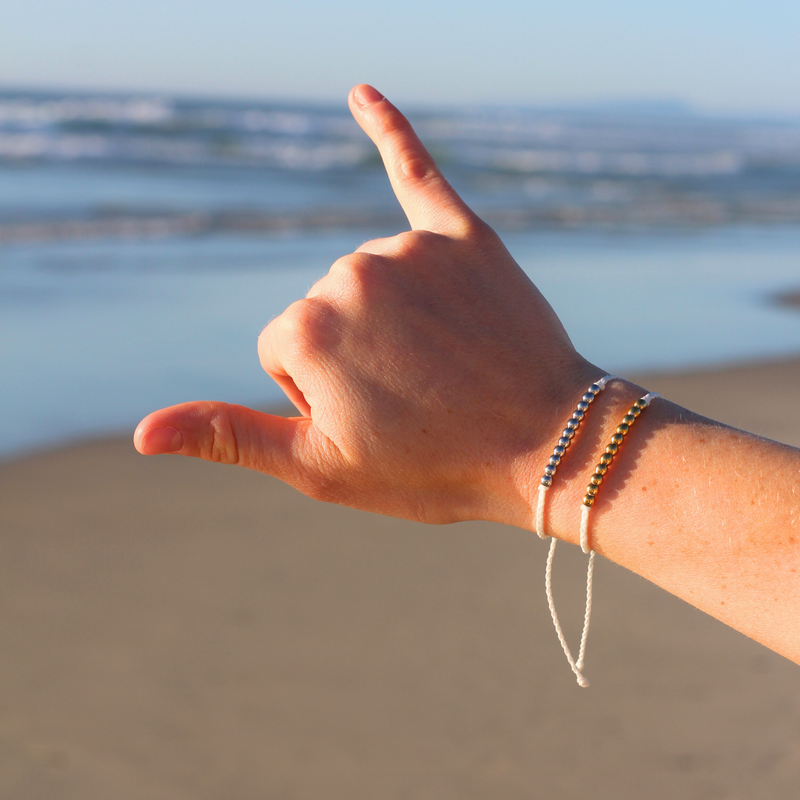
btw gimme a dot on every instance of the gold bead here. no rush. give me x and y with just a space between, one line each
596 479
629 419
623 428
617 438
634 411
612 448
606 459
641 403
588 501
601 469
591 490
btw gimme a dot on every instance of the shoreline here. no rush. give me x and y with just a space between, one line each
715 391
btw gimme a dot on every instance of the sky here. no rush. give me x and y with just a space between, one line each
722 57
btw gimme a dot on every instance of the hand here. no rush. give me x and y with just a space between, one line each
431 376
432 380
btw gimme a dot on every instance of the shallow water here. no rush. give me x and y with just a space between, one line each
94 335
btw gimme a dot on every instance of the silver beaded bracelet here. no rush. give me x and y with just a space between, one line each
559 451
546 482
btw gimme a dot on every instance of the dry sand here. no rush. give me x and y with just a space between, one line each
174 629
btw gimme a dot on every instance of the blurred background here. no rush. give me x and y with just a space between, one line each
172 175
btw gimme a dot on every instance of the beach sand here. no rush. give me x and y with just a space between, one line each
176 629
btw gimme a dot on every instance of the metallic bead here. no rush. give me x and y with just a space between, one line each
601 469
591 490
612 448
573 424
588 501
594 388
546 480
558 450
596 479
629 419
641 403
582 405
588 397
634 411
550 470
617 438
578 414
606 459
623 428
564 442
567 433
555 461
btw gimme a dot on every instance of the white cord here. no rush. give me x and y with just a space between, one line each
576 667
548 585
540 513
587 614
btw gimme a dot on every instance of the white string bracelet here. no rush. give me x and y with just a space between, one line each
546 482
588 501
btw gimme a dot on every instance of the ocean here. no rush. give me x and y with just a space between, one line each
146 241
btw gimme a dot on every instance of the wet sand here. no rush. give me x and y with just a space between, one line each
174 629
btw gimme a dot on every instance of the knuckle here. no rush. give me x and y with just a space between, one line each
319 288
465 226
373 246
417 167
353 264
412 246
472 227
306 319
420 240
359 273
221 444
316 327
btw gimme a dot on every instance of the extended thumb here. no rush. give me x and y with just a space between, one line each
227 434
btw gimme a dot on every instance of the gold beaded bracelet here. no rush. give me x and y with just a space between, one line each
605 462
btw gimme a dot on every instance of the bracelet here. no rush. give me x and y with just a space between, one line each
605 462
588 501
573 423
586 504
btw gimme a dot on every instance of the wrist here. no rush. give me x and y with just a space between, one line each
564 497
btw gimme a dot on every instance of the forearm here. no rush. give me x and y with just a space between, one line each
707 512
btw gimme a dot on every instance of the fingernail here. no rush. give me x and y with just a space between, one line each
366 95
163 440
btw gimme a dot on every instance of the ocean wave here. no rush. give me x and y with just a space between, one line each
172 166
659 211
41 112
158 226
194 131
285 154
593 162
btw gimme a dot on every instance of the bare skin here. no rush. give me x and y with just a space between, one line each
432 380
